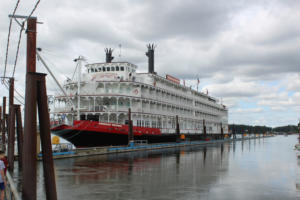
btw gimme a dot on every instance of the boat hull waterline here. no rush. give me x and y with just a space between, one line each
92 134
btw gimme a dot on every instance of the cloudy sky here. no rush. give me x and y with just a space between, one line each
245 53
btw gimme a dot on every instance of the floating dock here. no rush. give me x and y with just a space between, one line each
80 152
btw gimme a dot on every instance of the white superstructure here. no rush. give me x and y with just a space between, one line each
107 90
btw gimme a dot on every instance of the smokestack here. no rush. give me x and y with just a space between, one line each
108 52
150 55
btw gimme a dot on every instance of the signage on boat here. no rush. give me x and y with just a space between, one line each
173 79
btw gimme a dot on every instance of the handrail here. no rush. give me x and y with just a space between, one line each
13 192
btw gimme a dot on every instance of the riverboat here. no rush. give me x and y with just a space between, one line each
94 110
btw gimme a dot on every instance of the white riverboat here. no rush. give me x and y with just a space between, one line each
94 109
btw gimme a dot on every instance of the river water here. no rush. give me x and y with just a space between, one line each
265 168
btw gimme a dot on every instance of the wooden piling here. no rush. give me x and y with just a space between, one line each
45 135
11 126
19 134
130 128
177 129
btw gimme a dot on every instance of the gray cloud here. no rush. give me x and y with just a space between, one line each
219 42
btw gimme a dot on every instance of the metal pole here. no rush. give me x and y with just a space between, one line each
3 124
78 89
29 149
45 135
19 134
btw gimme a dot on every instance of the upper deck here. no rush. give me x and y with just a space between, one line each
114 71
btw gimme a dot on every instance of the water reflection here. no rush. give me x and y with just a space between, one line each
138 175
256 169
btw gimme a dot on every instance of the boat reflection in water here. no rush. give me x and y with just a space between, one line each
163 174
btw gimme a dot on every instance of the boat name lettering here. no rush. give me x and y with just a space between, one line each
173 79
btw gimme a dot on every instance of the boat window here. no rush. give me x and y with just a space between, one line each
96 70
117 68
122 68
99 69
92 69
112 69
103 69
108 69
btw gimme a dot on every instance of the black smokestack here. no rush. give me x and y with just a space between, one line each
150 55
109 56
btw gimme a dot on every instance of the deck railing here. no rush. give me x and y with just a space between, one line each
11 189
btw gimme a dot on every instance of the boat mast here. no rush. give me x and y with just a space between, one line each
80 58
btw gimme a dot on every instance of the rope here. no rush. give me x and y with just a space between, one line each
16 91
18 100
9 30
37 3
20 36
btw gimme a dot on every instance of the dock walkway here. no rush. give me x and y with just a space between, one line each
80 152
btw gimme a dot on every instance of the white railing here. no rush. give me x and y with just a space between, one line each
11 189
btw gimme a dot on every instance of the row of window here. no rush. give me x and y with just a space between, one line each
106 69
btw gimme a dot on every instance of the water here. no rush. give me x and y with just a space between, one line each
253 169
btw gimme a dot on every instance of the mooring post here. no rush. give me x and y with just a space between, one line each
222 131
11 126
177 129
204 128
11 138
44 122
130 129
29 148
31 45
3 126
19 134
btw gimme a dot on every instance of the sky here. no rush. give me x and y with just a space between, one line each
245 53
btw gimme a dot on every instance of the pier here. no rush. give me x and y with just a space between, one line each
83 152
